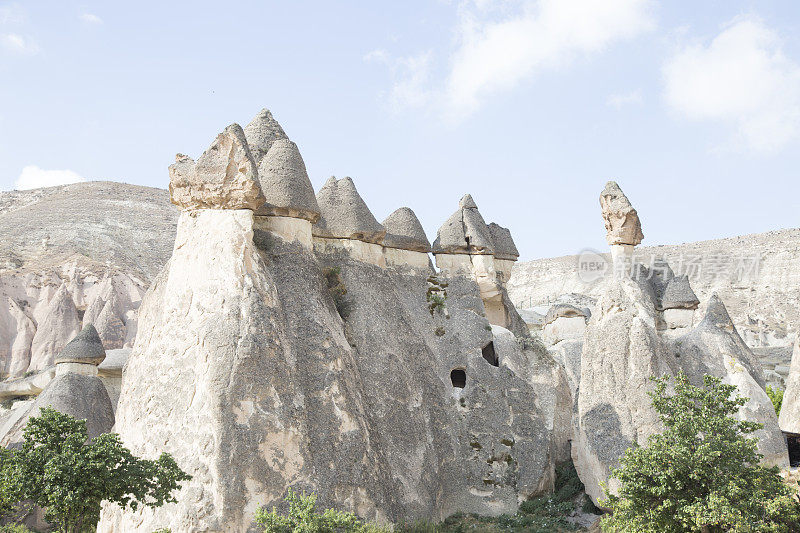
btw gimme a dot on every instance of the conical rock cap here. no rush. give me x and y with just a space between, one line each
344 214
404 231
284 181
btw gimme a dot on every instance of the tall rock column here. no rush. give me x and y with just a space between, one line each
623 228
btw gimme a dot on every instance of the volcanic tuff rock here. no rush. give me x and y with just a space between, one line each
263 364
504 247
790 409
465 232
71 254
622 222
404 231
224 177
85 348
344 213
679 294
285 184
261 132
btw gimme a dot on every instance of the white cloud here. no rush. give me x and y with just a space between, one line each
497 55
33 177
620 100
14 42
89 18
742 78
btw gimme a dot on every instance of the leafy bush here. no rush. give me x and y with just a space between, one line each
702 473
14 528
60 470
303 518
776 395
436 295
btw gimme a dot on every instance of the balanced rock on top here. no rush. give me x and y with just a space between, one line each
224 177
284 181
345 215
465 232
404 231
621 220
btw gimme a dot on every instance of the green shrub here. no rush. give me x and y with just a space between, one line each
303 518
14 528
60 470
702 473
776 395
436 295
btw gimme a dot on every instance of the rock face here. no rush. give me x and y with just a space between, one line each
404 231
74 254
224 177
620 352
679 295
621 220
261 133
263 364
789 418
344 213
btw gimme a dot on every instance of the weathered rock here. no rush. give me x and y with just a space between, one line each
16 335
465 232
503 243
59 326
256 379
284 181
344 214
404 231
261 133
621 352
789 418
679 295
224 177
86 348
621 220
565 311
79 396
714 347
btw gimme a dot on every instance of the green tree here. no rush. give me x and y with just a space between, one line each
776 396
59 469
702 473
303 518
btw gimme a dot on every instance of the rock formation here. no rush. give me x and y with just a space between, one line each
76 390
624 346
405 245
71 255
789 418
262 363
465 244
285 184
621 220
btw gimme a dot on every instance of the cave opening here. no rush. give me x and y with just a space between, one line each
490 355
793 443
458 377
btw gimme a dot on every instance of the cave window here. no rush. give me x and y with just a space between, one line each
458 377
490 355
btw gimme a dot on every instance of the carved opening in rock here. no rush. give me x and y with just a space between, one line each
81 313
490 355
458 377
793 442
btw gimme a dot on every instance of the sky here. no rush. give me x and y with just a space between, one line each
693 107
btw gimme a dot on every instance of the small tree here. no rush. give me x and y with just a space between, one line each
776 397
303 518
60 469
702 473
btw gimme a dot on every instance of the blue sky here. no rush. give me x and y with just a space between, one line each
529 105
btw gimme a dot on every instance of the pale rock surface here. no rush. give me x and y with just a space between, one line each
268 389
789 418
59 325
620 353
224 177
503 243
621 220
261 133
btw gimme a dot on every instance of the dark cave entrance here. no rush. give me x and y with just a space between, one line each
458 377
793 443
490 355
